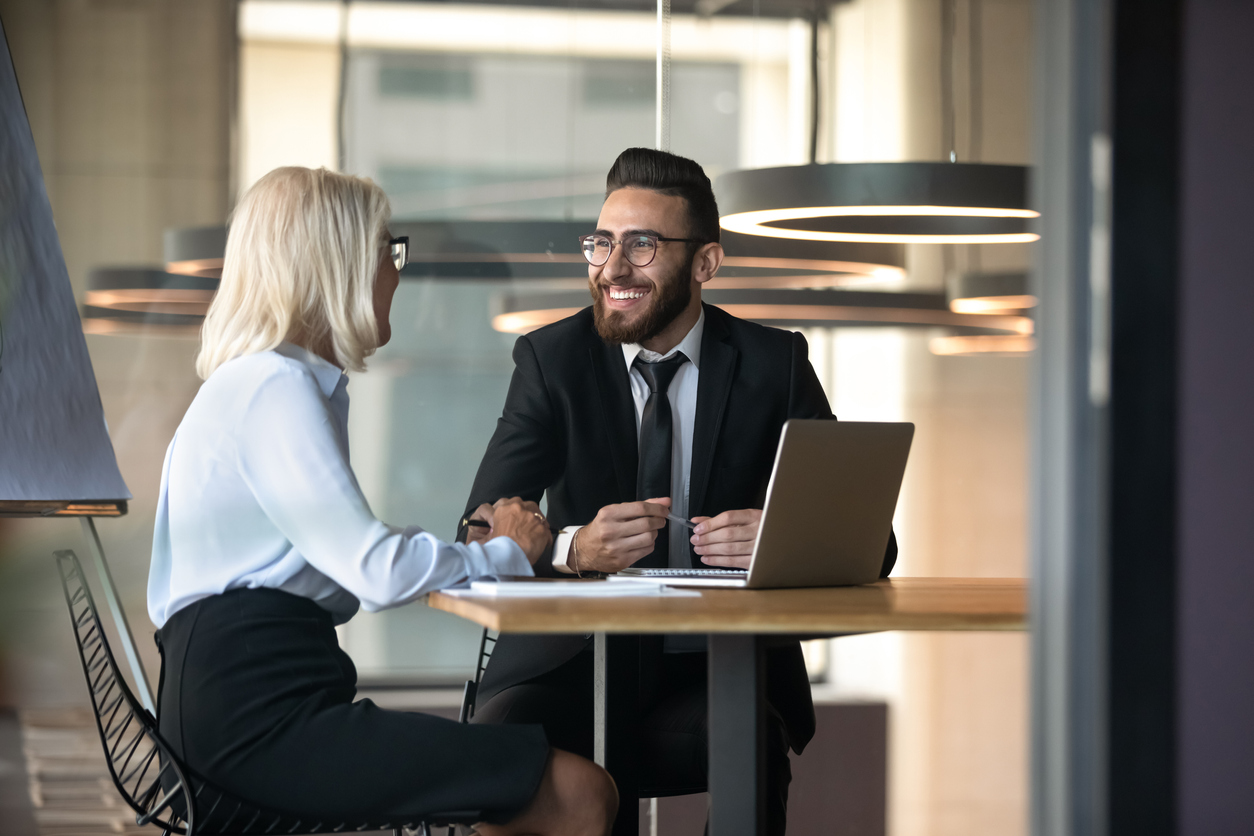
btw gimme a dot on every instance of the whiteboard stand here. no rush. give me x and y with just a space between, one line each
119 616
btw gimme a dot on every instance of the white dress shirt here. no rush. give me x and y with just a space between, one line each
257 492
683 398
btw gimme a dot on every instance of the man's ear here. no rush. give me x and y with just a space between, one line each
706 261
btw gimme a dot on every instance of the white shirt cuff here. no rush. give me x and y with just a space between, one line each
561 548
495 559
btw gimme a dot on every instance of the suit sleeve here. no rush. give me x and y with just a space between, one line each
524 456
806 399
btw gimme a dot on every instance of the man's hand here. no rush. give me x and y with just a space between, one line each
726 540
619 536
480 533
523 523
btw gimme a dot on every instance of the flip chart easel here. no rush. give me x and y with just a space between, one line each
53 437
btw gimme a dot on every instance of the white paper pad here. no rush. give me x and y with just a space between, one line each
569 589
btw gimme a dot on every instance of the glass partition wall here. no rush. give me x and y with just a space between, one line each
515 113
461 118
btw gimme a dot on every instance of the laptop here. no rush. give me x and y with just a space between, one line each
828 513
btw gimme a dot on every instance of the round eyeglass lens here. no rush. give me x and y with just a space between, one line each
640 250
596 249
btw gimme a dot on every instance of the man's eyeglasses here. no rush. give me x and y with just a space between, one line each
399 248
640 250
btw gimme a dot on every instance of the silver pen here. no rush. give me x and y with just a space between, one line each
685 523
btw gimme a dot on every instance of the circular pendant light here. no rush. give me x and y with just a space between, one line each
886 202
549 251
139 300
987 294
543 255
974 345
994 293
525 310
195 251
900 203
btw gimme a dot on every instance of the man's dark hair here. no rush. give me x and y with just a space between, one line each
669 174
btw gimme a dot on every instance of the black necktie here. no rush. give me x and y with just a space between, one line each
653 476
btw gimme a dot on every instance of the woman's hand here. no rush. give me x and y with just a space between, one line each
523 523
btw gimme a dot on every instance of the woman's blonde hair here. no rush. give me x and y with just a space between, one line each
301 260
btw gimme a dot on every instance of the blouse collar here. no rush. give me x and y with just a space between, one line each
327 374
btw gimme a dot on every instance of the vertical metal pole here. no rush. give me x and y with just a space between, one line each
600 689
341 93
119 617
662 141
616 715
1070 559
737 735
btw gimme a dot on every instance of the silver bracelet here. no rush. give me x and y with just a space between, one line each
574 548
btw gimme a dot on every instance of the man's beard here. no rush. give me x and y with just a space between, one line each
670 297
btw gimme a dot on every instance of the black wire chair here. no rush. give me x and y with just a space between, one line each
156 784
487 643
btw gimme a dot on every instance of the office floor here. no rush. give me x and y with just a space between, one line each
54 782
16 815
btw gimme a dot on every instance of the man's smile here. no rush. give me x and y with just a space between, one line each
625 298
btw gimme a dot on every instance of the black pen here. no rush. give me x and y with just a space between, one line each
477 523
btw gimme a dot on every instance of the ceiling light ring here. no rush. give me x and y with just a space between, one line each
753 199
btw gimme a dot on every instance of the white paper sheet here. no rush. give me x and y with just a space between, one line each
569 589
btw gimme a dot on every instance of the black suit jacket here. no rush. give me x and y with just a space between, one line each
569 429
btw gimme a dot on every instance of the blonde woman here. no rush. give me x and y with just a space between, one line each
264 543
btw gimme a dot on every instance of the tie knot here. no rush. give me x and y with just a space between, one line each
658 376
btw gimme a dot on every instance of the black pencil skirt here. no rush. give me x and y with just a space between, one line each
257 697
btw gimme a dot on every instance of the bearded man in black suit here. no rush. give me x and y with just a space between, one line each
648 402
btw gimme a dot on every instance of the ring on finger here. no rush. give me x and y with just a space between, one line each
538 515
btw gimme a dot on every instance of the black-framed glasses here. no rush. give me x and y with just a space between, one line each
640 249
399 250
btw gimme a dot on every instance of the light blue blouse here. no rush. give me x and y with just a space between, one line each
257 492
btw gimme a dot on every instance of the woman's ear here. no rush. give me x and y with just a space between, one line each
706 261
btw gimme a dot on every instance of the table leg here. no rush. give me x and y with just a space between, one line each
737 776
616 713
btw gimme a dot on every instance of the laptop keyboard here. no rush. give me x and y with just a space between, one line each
687 573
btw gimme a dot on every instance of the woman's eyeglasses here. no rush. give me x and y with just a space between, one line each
399 248
640 250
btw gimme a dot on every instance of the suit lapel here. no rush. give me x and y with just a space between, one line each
617 410
718 367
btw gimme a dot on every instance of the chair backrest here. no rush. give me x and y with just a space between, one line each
148 775
487 642
137 758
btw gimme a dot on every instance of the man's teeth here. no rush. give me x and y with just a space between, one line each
626 294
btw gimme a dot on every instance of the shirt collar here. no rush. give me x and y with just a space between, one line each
327 374
690 345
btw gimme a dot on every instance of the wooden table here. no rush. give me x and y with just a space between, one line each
740 625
